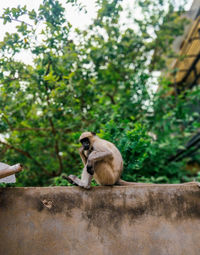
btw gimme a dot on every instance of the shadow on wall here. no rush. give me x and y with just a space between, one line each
157 219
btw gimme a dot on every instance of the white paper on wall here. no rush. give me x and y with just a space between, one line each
8 179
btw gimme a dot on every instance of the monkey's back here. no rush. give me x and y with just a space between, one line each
108 171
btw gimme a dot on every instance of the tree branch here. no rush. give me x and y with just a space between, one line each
17 20
111 98
8 122
56 145
64 130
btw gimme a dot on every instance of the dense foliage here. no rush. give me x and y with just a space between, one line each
101 81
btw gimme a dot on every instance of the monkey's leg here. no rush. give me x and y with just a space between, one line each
85 181
86 178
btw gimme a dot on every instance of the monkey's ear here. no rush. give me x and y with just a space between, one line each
93 133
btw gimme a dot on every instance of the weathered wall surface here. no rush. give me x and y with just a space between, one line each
141 220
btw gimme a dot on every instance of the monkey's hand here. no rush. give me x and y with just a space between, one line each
90 168
81 150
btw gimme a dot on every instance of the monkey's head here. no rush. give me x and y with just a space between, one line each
86 140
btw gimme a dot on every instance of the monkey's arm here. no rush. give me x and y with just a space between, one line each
83 157
96 156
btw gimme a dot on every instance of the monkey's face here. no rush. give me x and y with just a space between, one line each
85 143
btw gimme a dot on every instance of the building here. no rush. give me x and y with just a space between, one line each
186 75
186 68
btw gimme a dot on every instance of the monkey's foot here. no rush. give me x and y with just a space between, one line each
70 179
76 181
86 186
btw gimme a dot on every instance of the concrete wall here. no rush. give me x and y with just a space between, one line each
141 220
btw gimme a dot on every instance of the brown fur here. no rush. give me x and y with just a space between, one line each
107 171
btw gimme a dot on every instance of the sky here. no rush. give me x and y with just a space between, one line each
76 18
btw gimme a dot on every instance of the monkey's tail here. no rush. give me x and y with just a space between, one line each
125 183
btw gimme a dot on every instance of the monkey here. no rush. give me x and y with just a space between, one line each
102 160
